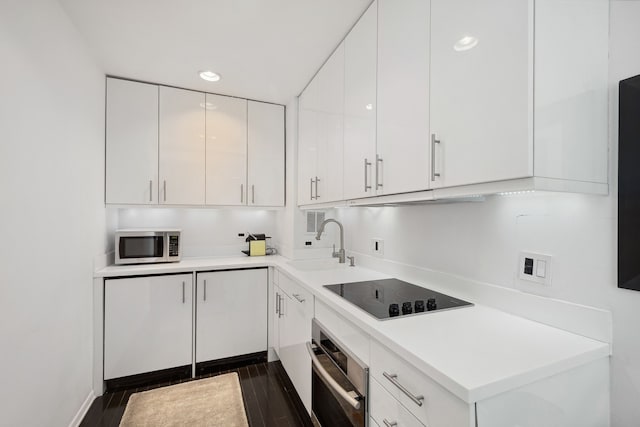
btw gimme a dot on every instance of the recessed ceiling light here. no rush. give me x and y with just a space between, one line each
208 105
465 43
369 107
209 76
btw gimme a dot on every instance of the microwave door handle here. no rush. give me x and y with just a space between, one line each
348 396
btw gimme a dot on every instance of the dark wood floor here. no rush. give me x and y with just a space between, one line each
269 397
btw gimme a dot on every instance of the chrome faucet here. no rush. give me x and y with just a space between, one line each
340 254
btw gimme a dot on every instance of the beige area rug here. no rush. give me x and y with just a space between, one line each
215 401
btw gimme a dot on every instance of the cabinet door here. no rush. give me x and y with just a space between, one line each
226 149
277 314
481 90
266 154
403 96
360 106
147 324
131 142
308 136
330 111
182 147
295 331
231 314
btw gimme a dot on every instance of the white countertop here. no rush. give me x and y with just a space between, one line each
474 352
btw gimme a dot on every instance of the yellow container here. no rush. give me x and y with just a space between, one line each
257 247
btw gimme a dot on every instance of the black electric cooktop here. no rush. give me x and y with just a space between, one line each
391 298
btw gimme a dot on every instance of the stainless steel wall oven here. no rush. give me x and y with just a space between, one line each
339 382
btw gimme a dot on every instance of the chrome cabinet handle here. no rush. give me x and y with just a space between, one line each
151 190
394 380
378 162
297 296
164 189
253 194
277 303
281 313
389 423
366 179
204 289
434 141
317 180
241 193
311 188
351 397
183 295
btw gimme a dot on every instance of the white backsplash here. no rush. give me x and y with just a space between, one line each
205 232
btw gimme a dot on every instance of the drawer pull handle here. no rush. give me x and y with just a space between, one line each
393 378
389 423
297 296
351 397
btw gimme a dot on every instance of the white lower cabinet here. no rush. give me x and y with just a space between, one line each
147 324
577 397
294 307
149 321
231 308
428 401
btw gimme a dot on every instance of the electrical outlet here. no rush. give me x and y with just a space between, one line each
377 247
534 267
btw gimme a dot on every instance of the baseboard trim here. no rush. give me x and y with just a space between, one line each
75 422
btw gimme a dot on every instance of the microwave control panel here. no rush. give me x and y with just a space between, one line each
174 246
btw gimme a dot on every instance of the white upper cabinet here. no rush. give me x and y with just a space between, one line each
498 115
131 142
320 134
465 97
173 146
265 182
330 110
226 149
360 106
308 137
481 90
403 161
571 90
182 147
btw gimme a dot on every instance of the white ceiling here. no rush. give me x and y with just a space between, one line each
264 49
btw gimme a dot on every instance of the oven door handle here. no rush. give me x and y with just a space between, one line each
349 396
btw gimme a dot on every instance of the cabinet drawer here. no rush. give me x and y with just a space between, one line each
387 411
295 291
349 335
437 407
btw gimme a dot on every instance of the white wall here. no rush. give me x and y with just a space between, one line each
624 62
482 240
52 218
205 232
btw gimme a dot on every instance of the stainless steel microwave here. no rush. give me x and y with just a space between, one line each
140 246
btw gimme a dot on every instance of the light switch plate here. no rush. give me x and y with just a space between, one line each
534 267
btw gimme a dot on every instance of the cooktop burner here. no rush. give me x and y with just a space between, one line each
389 298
